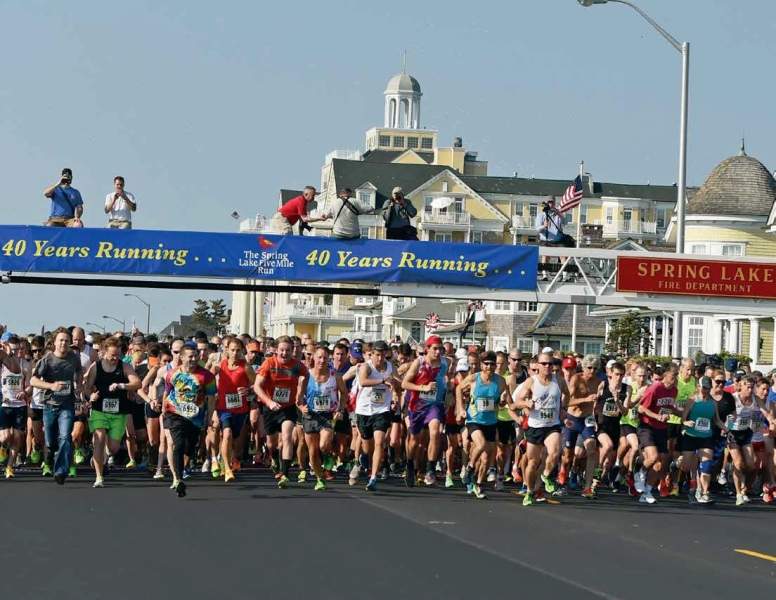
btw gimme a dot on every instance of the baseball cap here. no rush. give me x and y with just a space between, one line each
7 336
705 383
190 344
397 190
462 365
460 353
89 339
67 172
547 350
569 362
740 374
380 346
434 340
610 362
355 352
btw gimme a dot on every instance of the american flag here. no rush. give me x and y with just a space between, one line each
572 196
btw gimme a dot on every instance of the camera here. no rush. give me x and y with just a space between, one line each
545 208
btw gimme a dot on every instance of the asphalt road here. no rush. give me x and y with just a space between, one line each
136 539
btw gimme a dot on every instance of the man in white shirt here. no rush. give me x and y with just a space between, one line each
120 205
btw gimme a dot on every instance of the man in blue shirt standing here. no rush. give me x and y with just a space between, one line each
66 203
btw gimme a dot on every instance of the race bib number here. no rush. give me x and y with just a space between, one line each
590 421
188 410
702 424
547 414
665 411
743 423
428 396
378 396
67 387
485 404
110 405
233 401
633 413
321 403
281 395
13 383
610 409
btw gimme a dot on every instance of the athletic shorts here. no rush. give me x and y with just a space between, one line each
488 431
368 424
570 434
537 435
13 418
36 414
626 430
739 439
421 418
114 425
150 413
315 422
505 430
691 443
611 427
453 429
138 416
653 437
273 419
233 421
674 431
342 425
758 446
81 418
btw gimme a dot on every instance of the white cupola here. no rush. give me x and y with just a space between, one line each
402 102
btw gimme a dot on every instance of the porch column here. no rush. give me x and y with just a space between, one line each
665 345
754 340
653 332
732 345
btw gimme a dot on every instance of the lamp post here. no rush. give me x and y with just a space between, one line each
96 325
148 311
119 321
684 49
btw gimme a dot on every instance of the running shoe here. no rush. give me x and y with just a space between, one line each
429 479
302 477
180 489
9 474
409 476
517 477
131 464
371 485
158 475
466 476
705 499
71 472
740 500
355 471
328 462
205 466
560 492
78 456
767 495
383 474
639 482
215 469
491 474
45 470
449 482
647 498
478 493
722 479
187 473
674 490
539 496
228 475
174 484
328 475
663 488
235 465
35 457
320 485
588 493
562 477
3 454
98 483
462 475
528 499
60 479
499 485
745 498
283 482
470 488
573 481
549 485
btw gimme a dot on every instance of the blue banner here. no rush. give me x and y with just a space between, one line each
25 249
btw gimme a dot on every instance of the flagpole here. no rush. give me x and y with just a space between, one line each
579 236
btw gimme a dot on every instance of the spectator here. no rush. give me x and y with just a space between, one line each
398 211
346 225
549 227
66 203
294 210
120 205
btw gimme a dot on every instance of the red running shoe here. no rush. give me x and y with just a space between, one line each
562 477
664 488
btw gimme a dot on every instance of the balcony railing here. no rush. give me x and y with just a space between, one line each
448 217
634 227
316 311
368 335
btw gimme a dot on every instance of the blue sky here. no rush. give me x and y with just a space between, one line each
207 108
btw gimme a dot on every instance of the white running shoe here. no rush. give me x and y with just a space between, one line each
98 483
647 498
158 474
639 482
354 473
722 479
206 466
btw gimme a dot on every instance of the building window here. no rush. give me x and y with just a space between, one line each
477 237
592 348
443 237
365 197
398 141
568 217
385 140
502 305
698 249
458 205
364 232
732 250
427 143
694 336
609 215
519 207
416 331
525 345
565 346
533 210
528 307
661 218
500 342
583 214
412 142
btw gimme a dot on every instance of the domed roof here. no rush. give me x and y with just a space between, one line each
739 185
402 83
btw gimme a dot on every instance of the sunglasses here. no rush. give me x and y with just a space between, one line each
719 381
545 364
36 349
513 358
589 368
176 351
488 363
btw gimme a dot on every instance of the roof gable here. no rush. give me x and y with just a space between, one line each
449 174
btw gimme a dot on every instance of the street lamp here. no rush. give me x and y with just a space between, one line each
119 321
148 311
684 49
99 326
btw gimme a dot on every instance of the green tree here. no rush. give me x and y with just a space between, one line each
201 317
629 336
219 314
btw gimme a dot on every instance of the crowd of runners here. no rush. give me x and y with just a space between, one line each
363 412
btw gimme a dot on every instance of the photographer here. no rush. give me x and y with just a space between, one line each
66 203
549 227
397 212
120 204
293 211
345 225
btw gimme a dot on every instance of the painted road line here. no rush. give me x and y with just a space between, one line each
755 554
